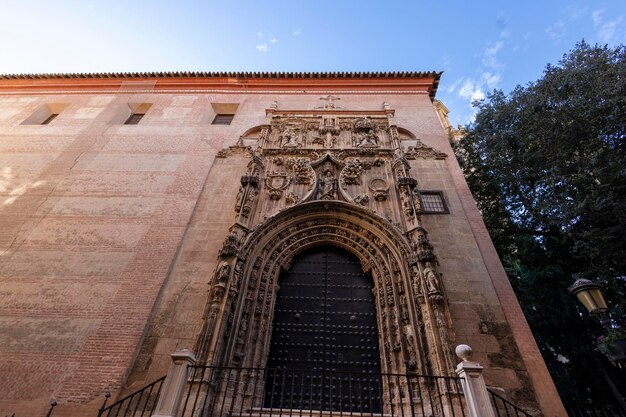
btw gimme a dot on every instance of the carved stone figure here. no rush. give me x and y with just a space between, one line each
290 138
247 205
407 208
328 186
367 139
417 201
230 246
239 199
432 283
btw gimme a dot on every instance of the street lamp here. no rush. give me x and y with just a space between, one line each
590 295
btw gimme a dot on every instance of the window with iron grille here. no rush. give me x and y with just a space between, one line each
433 202
223 119
134 119
49 118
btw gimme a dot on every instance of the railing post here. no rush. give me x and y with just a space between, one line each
473 383
174 384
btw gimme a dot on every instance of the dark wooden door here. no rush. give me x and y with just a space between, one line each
324 347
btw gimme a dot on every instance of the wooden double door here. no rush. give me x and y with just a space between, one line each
324 351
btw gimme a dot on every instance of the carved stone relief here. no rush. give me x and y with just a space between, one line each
329 178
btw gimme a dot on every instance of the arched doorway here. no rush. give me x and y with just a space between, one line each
324 351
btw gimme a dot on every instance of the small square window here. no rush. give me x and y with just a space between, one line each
49 118
433 202
223 119
134 119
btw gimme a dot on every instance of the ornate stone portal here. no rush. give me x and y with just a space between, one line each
329 177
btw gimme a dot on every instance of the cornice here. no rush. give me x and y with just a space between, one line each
223 82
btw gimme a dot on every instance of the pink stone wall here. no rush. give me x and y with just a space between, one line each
110 234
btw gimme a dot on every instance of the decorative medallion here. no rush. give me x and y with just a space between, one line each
276 183
379 188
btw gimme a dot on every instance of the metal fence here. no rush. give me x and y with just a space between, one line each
140 403
258 392
594 411
505 408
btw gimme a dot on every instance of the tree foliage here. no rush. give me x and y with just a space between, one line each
547 166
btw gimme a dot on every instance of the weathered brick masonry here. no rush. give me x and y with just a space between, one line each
110 233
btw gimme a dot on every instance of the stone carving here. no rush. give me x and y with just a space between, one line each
330 105
406 201
301 167
362 200
292 199
379 188
230 246
351 174
365 135
290 138
422 151
336 152
417 201
276 183
248 202
410 153
327 188
329 130
432 283
239 199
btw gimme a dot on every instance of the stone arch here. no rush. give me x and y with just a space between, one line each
406 134
243 333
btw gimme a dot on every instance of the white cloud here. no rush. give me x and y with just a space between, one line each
492 80
490 58
471 90
273 40
556 30
605 30
259 34
455 85
297 32
262 47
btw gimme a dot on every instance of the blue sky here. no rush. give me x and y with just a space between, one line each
480 45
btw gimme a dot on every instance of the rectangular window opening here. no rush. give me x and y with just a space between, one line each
50 118
134 119
223 119
433 202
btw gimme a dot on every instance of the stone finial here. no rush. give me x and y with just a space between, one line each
464 352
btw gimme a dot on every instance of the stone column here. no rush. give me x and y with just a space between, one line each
174 384
474 388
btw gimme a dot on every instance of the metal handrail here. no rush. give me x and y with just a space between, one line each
506 408
132 403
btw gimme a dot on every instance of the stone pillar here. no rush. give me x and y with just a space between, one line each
474 388
174 384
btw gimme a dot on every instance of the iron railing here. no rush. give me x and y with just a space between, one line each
140 403
574 410
505 408
263 392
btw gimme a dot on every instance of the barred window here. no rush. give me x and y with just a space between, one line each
433 202
223 119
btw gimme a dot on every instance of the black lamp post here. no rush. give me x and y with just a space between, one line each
590 295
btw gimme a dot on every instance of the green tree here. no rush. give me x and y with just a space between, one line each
547 166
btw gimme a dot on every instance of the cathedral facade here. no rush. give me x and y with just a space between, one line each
284 220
